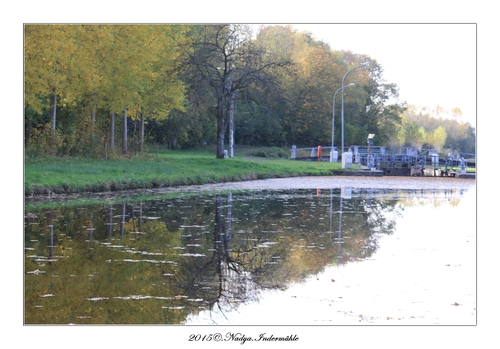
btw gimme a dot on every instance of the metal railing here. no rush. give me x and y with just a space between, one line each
389 157
299 153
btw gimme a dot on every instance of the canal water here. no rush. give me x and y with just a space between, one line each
328 256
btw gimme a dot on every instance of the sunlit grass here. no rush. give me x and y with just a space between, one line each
159 169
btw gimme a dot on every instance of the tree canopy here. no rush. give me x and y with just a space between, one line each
189 85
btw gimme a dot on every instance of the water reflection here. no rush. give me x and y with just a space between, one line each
164 261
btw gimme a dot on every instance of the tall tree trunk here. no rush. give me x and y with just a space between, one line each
231 126
54 108
92 116
112 132
134 137
142 132
221 128
124 141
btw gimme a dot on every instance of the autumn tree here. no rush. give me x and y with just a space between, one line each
162 90
423 126
316 73
410 134
371 107
226 59
437 138
49 67
299 110
310 91
127 70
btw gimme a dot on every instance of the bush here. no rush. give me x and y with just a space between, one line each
44 141
272 152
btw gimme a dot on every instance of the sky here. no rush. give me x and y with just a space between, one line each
432 64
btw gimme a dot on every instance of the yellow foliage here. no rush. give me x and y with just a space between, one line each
114 66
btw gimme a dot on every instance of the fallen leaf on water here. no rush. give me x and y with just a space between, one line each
333 280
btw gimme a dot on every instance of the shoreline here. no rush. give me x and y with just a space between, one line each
301 182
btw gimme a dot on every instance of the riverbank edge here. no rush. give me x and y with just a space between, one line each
124 186
41 190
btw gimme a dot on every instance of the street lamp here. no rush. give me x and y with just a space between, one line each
333 115
359 66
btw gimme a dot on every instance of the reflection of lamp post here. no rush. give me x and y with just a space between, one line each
344 193
340 225
340 230
333 115
359 66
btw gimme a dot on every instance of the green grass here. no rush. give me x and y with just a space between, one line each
159 169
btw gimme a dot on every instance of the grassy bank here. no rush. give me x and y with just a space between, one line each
161 169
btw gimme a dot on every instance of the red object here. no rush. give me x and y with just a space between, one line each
319 152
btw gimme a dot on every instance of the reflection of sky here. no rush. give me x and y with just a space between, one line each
425 273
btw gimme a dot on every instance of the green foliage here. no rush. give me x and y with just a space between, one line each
272 152
428 128
177 82
45 141
99 67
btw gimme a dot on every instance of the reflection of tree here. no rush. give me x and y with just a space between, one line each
168 259
268 253
221 279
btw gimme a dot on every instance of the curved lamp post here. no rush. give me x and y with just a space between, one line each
359 66
333 114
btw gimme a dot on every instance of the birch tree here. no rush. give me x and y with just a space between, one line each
49 67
